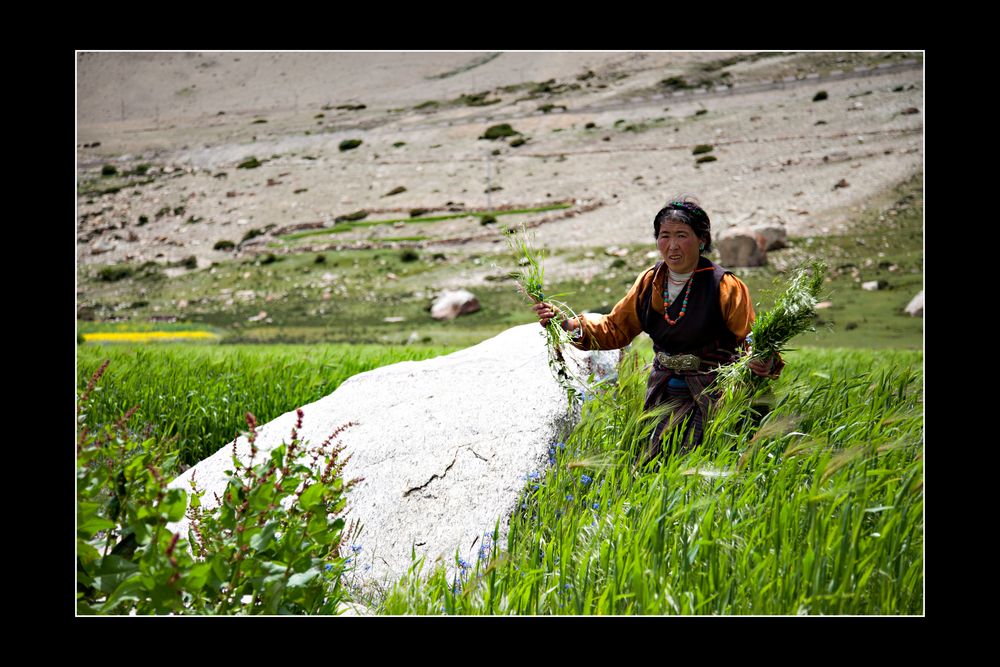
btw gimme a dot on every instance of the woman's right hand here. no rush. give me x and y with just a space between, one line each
545 312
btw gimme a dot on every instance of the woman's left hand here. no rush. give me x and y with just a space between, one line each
769 367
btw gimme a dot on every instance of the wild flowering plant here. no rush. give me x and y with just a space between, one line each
271 545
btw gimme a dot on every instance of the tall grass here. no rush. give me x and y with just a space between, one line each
199 394
817 510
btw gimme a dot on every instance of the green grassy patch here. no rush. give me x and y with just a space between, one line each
200 393
817 511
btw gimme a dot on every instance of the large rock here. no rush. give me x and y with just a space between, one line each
444 446
452 303
774 233
916 306
741 246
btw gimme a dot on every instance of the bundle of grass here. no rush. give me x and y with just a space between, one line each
250 163
793 313
531 282
349 144
702 148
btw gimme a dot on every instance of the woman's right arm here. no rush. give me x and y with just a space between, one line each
604 332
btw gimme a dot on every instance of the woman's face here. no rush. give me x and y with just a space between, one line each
678 246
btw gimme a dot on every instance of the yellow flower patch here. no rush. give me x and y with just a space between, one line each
147 336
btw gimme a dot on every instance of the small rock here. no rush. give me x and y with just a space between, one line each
394 318
916 306
824 304
258 317
452 303
183 303
245 295
874 285
412 338
589 254
242 221
246 275
842 183
615 251
909 111
391 276
652 254
328 277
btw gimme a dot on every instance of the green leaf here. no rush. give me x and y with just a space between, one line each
262 539
303 578
111 571
312 496
198 576
261 496
86 551
130 590
174 504
94 525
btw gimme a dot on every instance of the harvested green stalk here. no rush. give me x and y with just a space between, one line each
793 313
531 282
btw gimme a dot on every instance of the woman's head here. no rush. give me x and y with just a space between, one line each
686 210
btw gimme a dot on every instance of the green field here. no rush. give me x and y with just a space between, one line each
818 509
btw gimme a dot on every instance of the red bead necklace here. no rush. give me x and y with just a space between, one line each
684 304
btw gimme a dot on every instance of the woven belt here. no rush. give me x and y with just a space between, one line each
678 362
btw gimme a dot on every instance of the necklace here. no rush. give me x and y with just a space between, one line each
684 304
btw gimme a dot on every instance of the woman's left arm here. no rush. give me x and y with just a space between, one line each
737 310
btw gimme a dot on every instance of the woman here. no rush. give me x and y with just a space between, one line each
697 313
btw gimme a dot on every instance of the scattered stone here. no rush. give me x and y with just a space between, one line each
652 254
842 183
250 163
874 285
258 317
183 303
272 182
394 318
452 303
824 304
821 95
395 191
615 251
909 111
417 212
245 295
391 276
741 246
916 306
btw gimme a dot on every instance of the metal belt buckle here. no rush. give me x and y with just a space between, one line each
678 362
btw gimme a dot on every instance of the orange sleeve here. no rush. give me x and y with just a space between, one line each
616 329
737 307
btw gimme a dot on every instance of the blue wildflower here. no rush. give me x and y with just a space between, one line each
533 475
356 548
586 479
464 564
535 487
596 505
328 567
569 496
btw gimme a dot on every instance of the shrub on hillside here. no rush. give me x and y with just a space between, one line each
349 144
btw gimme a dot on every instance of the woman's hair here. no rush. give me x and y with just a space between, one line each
686 209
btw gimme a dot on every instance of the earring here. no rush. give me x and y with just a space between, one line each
701 246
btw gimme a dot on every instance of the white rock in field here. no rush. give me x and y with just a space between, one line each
874 285
916 306
444 446
452 303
